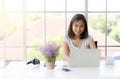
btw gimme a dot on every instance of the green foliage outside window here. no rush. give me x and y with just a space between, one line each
35 53
98 23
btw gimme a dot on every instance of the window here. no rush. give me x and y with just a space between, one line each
25 24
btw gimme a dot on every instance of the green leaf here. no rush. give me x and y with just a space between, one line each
50 59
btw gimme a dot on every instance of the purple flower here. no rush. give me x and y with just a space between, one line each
49 50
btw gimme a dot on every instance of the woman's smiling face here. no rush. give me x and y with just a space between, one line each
78 27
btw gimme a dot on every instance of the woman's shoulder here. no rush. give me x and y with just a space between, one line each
89 38
66 38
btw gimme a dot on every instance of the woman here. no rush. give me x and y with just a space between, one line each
78 37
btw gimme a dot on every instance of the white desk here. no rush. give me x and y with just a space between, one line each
19 70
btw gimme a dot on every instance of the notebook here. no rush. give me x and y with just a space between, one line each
85 58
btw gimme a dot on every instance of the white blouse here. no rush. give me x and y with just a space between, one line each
84 45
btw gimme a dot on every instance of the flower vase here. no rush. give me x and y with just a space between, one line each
50 63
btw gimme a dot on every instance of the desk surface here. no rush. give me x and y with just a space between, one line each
19 70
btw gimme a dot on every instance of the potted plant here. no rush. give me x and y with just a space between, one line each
50 52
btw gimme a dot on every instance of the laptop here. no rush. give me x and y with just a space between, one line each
85 58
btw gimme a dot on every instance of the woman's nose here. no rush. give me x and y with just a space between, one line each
79 28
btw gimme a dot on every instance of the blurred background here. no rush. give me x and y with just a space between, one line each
26 24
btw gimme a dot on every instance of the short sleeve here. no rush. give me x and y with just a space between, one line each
89 39
66 39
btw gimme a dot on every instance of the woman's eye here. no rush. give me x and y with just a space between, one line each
81 26
76 25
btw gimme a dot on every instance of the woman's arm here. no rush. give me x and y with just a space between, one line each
92 44
65 48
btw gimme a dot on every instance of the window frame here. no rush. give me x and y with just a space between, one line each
86 12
